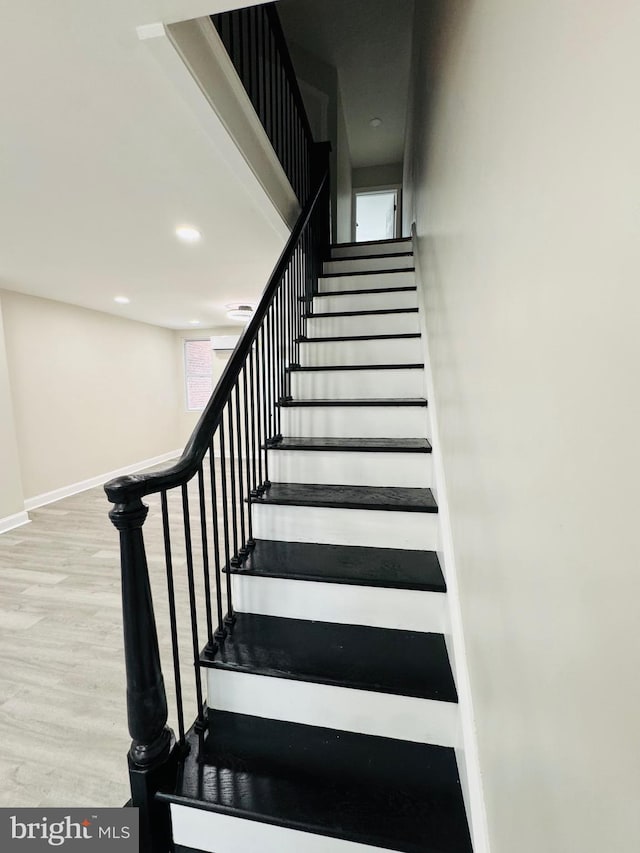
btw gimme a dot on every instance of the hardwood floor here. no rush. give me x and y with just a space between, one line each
63 724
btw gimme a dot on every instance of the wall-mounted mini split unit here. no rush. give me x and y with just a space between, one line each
224 343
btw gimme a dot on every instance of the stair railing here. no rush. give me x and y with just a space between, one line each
256 45
222 471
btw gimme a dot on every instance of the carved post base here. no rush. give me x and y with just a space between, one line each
155 818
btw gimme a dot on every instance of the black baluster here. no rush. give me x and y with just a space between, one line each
220 632
271 130
260 63
265 398
228 619
205 557
242 551
234 40
272 374
235 561
200 722
259 399
244 52
172 615
248 455
277 308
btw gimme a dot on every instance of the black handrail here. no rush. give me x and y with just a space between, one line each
131 486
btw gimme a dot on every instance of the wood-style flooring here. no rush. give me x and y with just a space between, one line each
63 729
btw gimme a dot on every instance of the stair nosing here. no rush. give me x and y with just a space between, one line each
368 291
360 313
321 825
363 272
417 402
370 257
298 825
320 315
331 503
339 338
337 367
346 448
208 661
438 589
350 575
371 242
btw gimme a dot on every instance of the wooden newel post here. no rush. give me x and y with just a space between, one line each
152 756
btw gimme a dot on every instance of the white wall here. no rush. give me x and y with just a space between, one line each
343 177
91 392
377 176
11 495
525 170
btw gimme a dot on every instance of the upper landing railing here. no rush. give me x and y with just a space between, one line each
256 44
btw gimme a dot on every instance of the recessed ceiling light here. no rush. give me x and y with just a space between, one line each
240 311
122 300
194 322
375 122
187 233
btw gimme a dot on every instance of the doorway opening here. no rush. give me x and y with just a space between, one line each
376 214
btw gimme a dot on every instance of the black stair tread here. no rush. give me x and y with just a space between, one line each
388 498
390 568
371 257
375 445
333 367
364 401
368 291
361 313
372 242
363 272
402 663
387 793
397 336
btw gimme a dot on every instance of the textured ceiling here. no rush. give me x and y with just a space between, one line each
369 42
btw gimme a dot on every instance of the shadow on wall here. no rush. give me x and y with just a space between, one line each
444 22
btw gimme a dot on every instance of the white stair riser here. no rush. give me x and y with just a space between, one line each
346 604
367 282
391 351
362 324
339 526
357 384
361 468
366 264
355 421
328 706
212 832
366 301
370 249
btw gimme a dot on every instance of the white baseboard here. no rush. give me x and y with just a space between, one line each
83 485
467 755
9 522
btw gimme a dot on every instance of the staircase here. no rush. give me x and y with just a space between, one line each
331 716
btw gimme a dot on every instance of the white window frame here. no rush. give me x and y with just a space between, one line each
187 376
